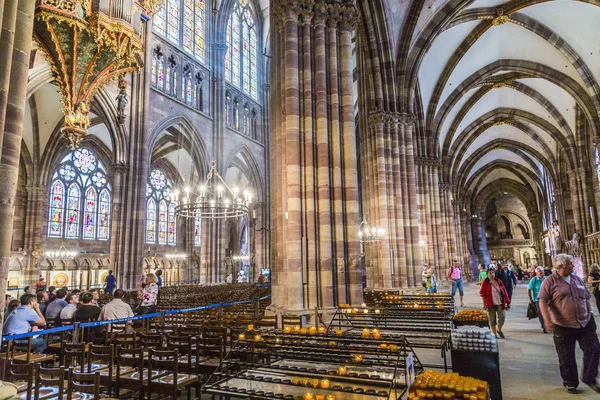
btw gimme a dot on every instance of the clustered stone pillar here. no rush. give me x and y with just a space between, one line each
15 43
428 170
314 180
390 201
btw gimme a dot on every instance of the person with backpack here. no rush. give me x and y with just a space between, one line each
455 275
430 281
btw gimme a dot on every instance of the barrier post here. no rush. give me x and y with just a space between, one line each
76 332
162 319
221 311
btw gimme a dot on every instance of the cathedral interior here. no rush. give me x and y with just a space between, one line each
326 147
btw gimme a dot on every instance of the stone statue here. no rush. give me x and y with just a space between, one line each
575 244
122 100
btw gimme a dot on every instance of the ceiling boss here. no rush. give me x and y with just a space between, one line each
88 43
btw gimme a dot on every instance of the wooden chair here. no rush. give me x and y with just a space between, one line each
20 373
80 383
101 359
151 340
212 350
169 381
132 378
49 383
188 352
74 355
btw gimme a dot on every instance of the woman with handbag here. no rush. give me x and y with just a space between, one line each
532 291
495 301
148 294
594 279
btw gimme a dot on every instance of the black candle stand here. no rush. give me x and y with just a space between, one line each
280 365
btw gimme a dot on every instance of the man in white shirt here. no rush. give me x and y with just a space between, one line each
116 309
69 311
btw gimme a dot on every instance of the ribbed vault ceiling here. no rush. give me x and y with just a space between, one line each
500 85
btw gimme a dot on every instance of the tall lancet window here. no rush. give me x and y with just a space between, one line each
161 221
80 198
240 60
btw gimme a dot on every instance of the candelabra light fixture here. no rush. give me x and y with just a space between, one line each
240 258
214 199
176 256
367 234
62 252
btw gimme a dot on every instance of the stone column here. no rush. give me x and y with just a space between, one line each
314 264
8 22
12 133
119 177
35 228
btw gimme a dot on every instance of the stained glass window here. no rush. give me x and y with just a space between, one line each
173 20
154 62
103 215
188 90
150 221
161 73
75 211
187 16
598 165
57 203
240 60
168 80
89 216
161 223
171 228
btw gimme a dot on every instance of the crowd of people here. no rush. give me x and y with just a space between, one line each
561 300
42 306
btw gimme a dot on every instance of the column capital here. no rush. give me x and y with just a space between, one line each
121 168
33 189
427 161
350 18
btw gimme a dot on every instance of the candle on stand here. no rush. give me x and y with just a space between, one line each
315 382
303 331
297 328
342 370
358 358
312 330
321 329
376 335
257 338
320 397
339 332
366 333
366 311
308 396
330 397
325 384
250 327
241 336
383 345
377 311
287 329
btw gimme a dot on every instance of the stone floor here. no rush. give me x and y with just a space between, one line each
528 361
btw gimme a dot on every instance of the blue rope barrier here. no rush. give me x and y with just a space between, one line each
124 320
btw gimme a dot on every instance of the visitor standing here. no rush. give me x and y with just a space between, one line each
547 270
508 278
455 275
25 318
594 280
482 274
148 295
110 282
495 301
430 281
533 289
424 275
40 284
565 305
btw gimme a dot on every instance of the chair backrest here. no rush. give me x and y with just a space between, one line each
21 370
83 383
125 340
163 360
102 355
151 340
212 347
74 355
54 377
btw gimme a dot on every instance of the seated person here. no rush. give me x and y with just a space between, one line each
55 307
42 298
25 318
116 309
95 297
88 311
12 306
69 311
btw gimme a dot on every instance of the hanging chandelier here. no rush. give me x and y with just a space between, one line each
368 234
61 253
212 200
